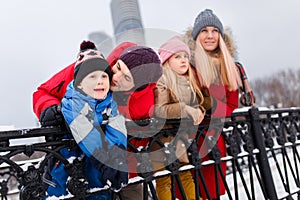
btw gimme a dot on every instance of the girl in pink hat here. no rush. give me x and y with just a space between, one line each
177 95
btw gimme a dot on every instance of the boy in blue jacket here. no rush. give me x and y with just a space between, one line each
93 119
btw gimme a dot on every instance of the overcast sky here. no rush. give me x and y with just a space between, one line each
38 38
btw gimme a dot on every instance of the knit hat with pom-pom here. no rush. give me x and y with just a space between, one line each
87 45
89 61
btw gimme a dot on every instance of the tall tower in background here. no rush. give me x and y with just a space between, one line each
127 21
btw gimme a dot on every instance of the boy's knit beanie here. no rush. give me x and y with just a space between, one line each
89 61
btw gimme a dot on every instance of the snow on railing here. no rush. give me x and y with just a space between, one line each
262 156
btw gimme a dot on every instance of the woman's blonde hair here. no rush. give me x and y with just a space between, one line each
172 82
218 68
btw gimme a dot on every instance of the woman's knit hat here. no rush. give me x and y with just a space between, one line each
114 55
206 18
172 46
89 61
143 63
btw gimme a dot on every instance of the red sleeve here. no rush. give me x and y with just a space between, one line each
52 91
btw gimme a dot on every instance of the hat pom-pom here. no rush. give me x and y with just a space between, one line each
87 45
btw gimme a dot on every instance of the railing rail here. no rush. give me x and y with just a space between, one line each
262 158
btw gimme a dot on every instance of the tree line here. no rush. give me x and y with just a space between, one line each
281 89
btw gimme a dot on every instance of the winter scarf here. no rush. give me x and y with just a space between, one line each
85 116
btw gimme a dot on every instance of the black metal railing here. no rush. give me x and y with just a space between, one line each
262 157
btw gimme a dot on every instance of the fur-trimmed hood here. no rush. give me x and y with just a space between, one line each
228 39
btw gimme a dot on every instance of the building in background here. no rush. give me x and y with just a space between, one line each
127 26
102 41
127 21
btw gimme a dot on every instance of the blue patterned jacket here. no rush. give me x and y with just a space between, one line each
86 115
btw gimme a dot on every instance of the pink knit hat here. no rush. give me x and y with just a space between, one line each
172 46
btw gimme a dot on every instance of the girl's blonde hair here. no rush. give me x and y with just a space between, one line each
209 71
172 82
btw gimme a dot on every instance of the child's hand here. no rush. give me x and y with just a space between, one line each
195 113
112 163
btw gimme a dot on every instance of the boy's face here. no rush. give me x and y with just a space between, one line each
95 84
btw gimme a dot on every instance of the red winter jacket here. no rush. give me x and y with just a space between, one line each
140 104
52 91
225 101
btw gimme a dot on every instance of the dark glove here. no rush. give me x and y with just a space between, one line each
247 99
118 160
112 164
52 116
115 178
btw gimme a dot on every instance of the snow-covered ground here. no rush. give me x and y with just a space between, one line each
275 175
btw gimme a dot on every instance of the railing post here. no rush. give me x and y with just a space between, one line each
262 158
